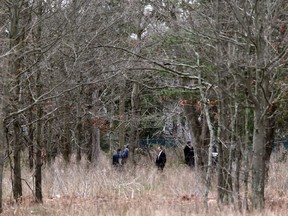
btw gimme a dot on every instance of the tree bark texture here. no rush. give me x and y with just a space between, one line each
3 107
122 117
14 69
39 108
194 126
17 180
38 140
258 162
135 120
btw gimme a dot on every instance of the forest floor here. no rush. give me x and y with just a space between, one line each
82 189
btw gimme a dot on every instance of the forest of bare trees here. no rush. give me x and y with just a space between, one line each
83 77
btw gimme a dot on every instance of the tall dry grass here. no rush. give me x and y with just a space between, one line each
100 190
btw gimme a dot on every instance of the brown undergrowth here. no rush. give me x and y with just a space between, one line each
83 189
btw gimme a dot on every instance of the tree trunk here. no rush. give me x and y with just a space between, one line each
261 93
245 152
234 156
49 143
210 149
14 69
135 120
3 99
238 159
224 168
204 139
79 128
195 131
38 160
30 142
111 125
224 158
17 181
79 140
270 135
38 140
95 124
39 86
2 150
122 118
95 143
258 163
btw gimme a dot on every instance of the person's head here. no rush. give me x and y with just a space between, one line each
127 146
160 148
189 143
118 150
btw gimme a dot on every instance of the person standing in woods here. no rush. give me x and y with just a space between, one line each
161 158
116 158
124 155
189 154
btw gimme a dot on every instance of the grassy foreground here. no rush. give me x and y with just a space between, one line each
100 190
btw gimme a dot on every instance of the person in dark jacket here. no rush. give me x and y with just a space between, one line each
189 154
161 158
116 158
124 155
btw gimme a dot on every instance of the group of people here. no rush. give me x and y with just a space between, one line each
188 156
120 157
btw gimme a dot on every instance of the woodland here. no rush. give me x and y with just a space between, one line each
81 78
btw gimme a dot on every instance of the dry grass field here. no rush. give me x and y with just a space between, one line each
88 191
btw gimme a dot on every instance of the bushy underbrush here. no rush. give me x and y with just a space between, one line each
85 189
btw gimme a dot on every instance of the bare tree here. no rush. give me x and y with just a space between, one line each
3 107
243 41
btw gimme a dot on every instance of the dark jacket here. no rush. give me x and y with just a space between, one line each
124 155
189 155
115 159
161 160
